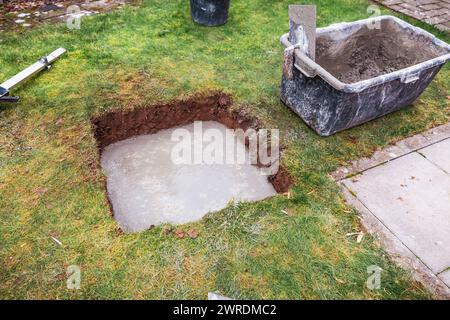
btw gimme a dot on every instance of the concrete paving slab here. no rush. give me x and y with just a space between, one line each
445 276
379 157
438 134
392 152
413 143
439 154
411 197
397 251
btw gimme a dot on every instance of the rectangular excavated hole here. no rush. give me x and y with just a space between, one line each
145 187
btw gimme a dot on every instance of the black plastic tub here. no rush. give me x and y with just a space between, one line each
346 86
210 12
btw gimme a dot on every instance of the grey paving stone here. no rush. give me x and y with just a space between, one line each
438 134
411 197
436 20
401 148
445 276
413 143
397 251
392 2
379 157
443 27
439 154
431 6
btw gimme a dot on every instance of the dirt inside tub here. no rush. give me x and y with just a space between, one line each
373 50
171 163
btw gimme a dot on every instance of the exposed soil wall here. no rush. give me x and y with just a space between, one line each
122 124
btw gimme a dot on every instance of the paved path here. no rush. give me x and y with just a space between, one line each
434 12
403 193
18 16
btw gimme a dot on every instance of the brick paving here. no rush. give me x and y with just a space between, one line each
434 12
23 14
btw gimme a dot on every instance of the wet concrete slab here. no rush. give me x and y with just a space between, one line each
147 188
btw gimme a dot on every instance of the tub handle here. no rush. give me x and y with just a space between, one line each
410 78
289 61
307 73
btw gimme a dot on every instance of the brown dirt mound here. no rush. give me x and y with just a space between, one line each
369 53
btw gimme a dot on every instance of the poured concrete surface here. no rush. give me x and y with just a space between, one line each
146 188
406 203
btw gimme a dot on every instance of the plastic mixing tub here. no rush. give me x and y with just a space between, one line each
363 70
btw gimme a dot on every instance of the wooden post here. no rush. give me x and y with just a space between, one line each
302 28
302 36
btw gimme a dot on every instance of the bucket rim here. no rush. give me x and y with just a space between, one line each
362 85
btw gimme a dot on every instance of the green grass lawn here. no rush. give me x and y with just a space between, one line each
51 183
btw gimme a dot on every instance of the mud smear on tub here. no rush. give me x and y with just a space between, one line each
374 51
145 189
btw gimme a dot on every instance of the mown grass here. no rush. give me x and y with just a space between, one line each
50 183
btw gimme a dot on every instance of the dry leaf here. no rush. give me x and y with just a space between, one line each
352 234
339 280
359 238
288 212
359 235
119 231
351 139
41 191
57 241
192 233
288 195
62 276
167 231
179 234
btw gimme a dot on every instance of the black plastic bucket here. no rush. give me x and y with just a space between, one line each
210 12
